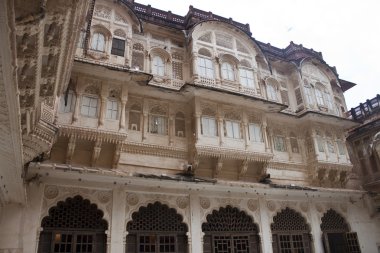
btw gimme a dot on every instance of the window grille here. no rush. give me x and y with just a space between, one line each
271 92
290 232
118 47
138 61
112 109
177 70
156 229
227 71
89 106
246 78
74 225
279 143
180 124
255 133
230 230
298 96
332 221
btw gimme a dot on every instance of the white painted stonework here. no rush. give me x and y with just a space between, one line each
126 106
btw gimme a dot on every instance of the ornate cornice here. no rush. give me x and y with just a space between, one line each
92 134
227 153
153 149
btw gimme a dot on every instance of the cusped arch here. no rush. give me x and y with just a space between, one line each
272 81
157 217
205 52
156 51
101 29
203 27
322 67
229 219
332 221
75 213
229 58
289 220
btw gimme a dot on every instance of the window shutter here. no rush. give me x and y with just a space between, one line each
298 96
131 244
100 243
353 242
285 97
207 248
44 245
274 243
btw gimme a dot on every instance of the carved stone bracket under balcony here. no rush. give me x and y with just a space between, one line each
329 175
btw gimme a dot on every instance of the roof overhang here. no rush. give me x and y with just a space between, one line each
312 116
346 85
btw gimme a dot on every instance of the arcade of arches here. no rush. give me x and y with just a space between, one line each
76 225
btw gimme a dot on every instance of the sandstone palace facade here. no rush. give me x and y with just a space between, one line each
129 129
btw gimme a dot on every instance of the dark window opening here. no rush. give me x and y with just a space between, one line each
118 47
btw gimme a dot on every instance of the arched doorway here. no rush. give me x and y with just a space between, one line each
290 232
156 228
336 234
229 230
72 226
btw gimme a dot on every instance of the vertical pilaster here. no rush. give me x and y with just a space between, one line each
266 233
316 230
77 107
117 222
122 114
265 134
195 236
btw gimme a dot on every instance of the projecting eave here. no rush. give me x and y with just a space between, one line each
233 97
346 85
115 72
322 118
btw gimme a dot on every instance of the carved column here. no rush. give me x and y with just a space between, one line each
216 71
245 131
197 126
116 156
289 148
96 152
315 141
195 65
303 149
77 107
103 103
221 131
265 135
70 148
171 129
122 114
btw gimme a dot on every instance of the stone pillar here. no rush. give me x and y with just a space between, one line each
103 104
77 107
197 127
289 148
265 135
245 131
220 130
195 65
144 125
122 114
195 234
117 222
315 230
31 222
171 129
266 233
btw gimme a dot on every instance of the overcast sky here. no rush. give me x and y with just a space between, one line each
346 32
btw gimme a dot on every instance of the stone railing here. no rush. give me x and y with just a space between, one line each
365 110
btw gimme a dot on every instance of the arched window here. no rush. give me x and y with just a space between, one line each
74 225
208 123
294 143
290 232
112 109
89 106
232 126
180 125
205 65
246 78
279 142
67 102
336 234
138 57
255 133
158 121
156 229
228 71
158 66
271 88
230 230
319 96
98 42
320 141
135 117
